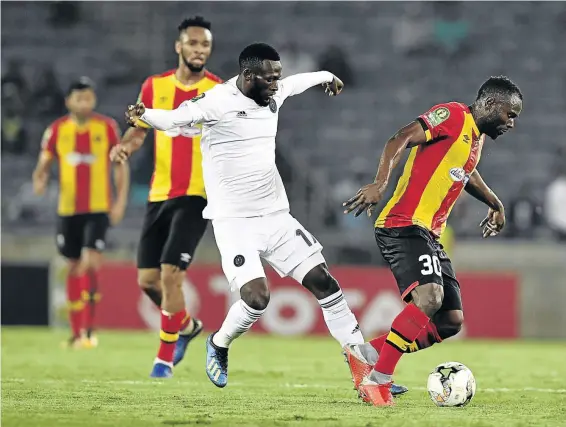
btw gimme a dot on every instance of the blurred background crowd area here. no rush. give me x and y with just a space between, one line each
397 59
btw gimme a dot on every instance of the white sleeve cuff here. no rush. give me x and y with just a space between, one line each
186 114
327 76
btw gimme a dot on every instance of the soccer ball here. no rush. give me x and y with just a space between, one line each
451 384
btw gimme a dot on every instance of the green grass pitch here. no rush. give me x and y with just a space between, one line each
273 381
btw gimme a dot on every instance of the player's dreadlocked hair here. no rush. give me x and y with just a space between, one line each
81 83
197 21
499 86
253 55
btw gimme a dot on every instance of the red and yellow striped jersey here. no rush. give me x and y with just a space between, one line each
84 165
178 159
436 172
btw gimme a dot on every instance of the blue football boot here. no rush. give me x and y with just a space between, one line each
398 390
161 370
216 363
184 340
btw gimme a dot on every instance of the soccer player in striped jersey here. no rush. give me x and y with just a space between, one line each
173 224
80 142
446 144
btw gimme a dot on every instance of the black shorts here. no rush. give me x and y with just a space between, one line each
417 258
171 232
80 231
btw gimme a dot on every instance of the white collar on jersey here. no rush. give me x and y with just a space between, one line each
232 84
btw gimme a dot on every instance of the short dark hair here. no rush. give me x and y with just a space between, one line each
196 21
253 55
81 83
499 86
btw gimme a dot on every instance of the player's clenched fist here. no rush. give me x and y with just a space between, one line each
333 88
134 113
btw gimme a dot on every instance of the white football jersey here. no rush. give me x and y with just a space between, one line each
238 145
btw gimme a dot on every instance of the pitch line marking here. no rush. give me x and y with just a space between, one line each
285 385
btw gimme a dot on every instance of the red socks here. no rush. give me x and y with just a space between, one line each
169 334
82 297
90 298
427 337
75 303
405 328
378 342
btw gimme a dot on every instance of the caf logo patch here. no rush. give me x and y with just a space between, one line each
196 98
239 260
438 116
273 105
442 113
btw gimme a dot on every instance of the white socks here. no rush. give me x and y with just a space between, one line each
340 320
239 319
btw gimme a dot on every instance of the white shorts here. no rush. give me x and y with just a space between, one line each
278 238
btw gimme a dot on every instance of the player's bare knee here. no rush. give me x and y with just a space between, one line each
449 323
94 264
75 267
91 261
255 294
149 278
320 282
428 298
455 319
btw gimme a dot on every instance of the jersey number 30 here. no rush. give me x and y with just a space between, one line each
431 265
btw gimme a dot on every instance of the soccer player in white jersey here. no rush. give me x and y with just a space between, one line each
247 202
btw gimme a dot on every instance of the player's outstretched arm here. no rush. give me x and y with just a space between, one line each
368 196
494 222
298 83
186 114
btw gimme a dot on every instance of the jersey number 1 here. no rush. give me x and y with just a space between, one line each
299 232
